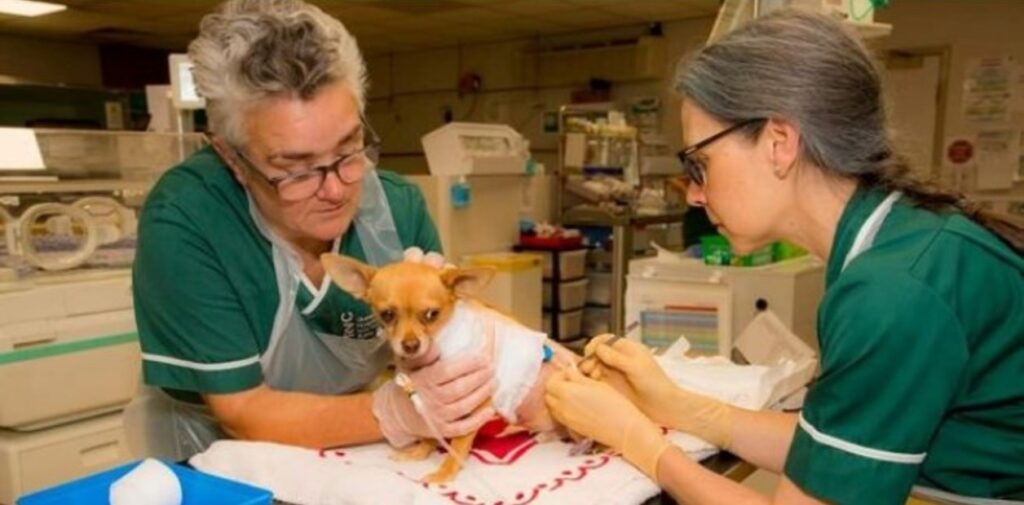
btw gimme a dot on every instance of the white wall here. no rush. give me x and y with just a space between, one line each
410 90
972 29
50 62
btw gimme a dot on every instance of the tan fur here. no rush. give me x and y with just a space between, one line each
401 296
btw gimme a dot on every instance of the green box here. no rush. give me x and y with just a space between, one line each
717 252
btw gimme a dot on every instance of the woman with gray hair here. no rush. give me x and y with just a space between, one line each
921 330
242 332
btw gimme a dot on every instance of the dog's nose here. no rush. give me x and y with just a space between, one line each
410 346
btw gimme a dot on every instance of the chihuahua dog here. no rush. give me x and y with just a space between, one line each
415 304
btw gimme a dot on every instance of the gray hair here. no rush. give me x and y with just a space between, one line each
805 68
249 50
811 70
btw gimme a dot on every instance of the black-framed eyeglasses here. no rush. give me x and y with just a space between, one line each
350 167
693 169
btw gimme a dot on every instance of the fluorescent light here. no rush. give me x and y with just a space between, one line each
29 8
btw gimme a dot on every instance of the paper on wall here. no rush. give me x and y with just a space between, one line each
990 90
998 158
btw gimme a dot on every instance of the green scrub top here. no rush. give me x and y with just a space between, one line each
922 363
204 285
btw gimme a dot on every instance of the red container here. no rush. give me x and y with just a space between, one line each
550 243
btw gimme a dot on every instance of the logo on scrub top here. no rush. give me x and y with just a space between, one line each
359 327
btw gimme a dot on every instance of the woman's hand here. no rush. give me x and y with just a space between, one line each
594 409
630 368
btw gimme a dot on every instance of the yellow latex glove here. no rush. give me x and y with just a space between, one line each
630 368
594 409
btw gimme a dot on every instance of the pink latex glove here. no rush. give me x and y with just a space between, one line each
450 392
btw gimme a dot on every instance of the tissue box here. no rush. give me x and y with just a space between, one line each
197 489
768 341
769 364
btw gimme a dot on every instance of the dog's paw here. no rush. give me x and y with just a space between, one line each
417 452
439 477
544 437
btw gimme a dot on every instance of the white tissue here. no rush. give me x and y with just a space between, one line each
149 483
747 386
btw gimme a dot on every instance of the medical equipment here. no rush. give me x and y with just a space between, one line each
488 161
476 149
603 191
668 296
184 93
585 445
516 273
859 14
855 11
40 459
69 349
610 341
474 194
403 381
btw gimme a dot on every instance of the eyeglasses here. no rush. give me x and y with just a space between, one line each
350 168
694 169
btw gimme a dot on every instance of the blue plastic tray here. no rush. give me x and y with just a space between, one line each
197 488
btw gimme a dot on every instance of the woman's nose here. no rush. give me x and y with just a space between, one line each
333 187
695 196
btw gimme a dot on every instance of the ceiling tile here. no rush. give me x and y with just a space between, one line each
467 15
656 10
364 12
530 7
523 25
185 23
141 9
592 18
70 22
708 6
378 24
602 3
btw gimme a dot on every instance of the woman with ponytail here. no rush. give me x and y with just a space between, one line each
921 328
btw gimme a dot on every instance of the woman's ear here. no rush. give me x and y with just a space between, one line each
227 153
784 141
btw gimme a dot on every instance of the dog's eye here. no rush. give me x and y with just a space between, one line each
387 315
431 315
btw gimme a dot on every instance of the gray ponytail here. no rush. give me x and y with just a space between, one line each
815 72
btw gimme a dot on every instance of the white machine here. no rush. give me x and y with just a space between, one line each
476 149
474 194
69 351
183 87
670 296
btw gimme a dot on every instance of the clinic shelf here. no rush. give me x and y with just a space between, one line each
622 224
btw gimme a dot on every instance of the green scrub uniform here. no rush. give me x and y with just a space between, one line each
922 356
204 280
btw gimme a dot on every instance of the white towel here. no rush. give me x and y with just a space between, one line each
515 470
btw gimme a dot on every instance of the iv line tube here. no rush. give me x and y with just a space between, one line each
417 402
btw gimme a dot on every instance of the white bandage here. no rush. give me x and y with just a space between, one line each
518 352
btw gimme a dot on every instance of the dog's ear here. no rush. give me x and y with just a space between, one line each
467 281
351 275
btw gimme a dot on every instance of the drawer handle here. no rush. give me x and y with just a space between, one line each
33 343
102 454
